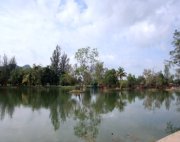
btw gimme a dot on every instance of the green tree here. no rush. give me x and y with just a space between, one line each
64 64
168 77
6 68
87 78
131 81
36 73
160 80
67 79
86 58
4 72
110 78
150 78
140 80
27 77
175 54
32 76
48 76
99 72
16 76
55 62
12 64
120 74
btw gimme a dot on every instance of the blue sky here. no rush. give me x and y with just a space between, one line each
134 34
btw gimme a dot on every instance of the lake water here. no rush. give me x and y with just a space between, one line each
51 115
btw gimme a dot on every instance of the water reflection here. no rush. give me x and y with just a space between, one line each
87 124
154 100
170 128
87 109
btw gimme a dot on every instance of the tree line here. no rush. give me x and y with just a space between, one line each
88 70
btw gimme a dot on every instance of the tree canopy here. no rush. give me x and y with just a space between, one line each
175 53
88 70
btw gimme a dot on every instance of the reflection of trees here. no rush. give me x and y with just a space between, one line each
153 100
107 102
121 101
87 125
86 117
87 129
57 102
178 101
170 128
85 108
8 101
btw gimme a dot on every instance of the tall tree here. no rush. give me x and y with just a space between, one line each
99 72
166 72
5 60
55 60
167 75
120 74
175 54
55 64
4 72
64 64
160 81
12 63
150 77
86 58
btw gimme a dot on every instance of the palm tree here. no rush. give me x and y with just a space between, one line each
120 74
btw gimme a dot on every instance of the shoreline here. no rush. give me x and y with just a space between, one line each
72 89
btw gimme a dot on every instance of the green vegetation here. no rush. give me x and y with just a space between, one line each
110 78
175 55
88 71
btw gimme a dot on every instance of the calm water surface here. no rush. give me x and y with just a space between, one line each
51 115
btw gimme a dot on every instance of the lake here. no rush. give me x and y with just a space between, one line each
52 115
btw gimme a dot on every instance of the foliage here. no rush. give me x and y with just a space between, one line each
175 54
48 76
55 60
67 79
121 73
149 76
167 74
16 76
64 64
86 58
6 67
36 73
99 72
87 78
88 71
131 81
160 80
140 80
110 78
59 65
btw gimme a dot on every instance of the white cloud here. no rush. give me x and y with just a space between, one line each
118 28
